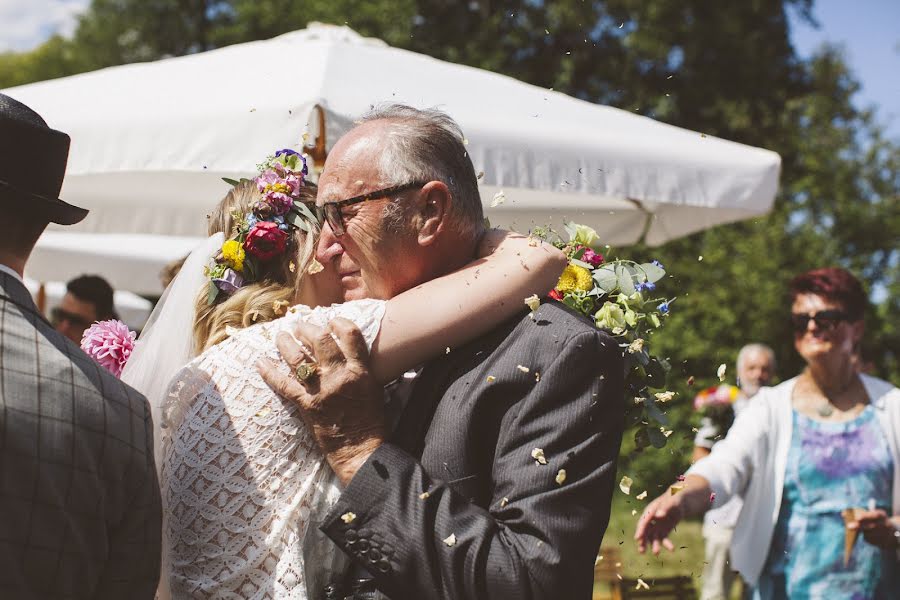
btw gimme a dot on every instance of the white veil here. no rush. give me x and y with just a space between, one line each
166 343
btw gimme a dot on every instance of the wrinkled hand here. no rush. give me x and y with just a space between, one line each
658 520
343 405
876 527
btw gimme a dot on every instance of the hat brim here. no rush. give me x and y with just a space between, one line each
53 209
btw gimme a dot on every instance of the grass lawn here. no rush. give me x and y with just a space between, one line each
687 559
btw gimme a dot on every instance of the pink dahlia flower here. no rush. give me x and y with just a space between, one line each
110 344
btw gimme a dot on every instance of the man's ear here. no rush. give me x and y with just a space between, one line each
433 204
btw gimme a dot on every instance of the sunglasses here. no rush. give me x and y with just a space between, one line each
332 212
58 315
825 320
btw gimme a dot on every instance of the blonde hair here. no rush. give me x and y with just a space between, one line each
279 279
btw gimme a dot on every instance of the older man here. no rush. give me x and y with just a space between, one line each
79 502
755 369
493 485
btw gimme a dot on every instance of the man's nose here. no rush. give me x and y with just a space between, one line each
329 247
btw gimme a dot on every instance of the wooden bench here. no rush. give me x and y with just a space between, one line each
660 588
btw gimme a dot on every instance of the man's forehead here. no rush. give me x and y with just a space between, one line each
352 168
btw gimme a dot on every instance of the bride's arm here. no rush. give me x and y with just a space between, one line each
454 309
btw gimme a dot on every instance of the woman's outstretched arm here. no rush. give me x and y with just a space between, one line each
457 308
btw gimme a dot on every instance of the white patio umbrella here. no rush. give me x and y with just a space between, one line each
151 141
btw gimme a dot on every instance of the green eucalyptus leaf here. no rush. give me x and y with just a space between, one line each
654 413
231 181
580 263
606 279
654 318
657 438
212 292
626 282
652 272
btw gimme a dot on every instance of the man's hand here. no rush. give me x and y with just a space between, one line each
877 528
342 403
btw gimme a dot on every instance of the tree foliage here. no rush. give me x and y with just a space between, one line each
726 69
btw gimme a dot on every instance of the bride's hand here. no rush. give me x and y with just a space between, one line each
341 403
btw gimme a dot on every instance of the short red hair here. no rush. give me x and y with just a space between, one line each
835 284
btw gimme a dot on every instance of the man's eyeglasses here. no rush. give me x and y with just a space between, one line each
825 320
58 315
332 212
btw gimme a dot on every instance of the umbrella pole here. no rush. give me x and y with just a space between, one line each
317 150
647 218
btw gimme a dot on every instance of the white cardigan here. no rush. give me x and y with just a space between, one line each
752 459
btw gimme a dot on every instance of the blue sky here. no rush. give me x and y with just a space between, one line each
868 30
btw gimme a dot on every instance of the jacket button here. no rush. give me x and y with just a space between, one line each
384 566
362 545
374 555
351 535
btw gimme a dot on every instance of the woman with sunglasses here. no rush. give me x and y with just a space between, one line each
816 459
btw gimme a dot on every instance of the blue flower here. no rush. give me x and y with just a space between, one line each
645 286
663 308
288 152
251 220
657 264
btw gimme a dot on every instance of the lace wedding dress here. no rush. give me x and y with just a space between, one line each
242 480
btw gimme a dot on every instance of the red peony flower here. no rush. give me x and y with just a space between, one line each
555 295
265 241
592 258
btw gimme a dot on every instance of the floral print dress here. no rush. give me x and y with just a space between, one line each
831 466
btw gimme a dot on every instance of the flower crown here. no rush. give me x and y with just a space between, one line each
264 233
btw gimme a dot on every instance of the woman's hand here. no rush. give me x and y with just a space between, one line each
877 528
684 499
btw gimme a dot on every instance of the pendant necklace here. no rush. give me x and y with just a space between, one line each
825 409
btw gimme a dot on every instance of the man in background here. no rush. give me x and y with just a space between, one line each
755 369
88 298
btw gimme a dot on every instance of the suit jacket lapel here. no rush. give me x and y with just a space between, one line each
409 434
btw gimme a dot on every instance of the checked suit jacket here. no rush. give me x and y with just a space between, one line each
498 481
79 500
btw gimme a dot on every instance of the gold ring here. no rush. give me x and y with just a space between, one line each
306 371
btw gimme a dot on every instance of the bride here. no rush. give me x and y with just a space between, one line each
243 482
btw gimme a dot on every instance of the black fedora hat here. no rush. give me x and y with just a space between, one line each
32 164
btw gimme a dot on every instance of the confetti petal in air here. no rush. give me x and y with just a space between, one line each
314 267
348 517
625 484
642 495
538 455
499 198
424 495
533 302
504 502
491 379
450 540
720 373
675 489
712 497
561 477
523 369
641 584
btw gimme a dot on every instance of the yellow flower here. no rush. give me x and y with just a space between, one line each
575 278
233 253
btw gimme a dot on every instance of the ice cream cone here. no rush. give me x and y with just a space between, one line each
850 535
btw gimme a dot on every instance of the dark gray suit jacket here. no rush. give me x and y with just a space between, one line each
457 506
79 501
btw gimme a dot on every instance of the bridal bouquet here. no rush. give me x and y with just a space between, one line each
618 295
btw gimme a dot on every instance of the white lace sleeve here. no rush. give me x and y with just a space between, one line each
244 484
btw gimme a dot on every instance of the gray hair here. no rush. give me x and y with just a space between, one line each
752 348
428 145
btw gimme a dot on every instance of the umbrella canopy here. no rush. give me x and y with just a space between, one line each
151 141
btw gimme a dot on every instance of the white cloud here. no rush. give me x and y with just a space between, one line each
24 24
